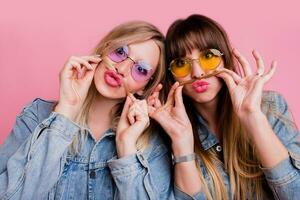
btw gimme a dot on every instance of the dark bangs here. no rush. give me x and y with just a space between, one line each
195 32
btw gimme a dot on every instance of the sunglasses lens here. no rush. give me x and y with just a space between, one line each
119 54
210 60
141 72
180 67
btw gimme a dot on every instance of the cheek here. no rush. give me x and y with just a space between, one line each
135 86
218 82
99 72
216 85
186 78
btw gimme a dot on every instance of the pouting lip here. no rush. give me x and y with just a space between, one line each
114 75
199 83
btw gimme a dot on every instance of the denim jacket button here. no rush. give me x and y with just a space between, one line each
92 174
218 148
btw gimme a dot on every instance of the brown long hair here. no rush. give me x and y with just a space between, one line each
240 160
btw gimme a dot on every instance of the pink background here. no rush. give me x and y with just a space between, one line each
37 37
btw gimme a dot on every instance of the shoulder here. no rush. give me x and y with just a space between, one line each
37 110
273 96
274 102
280 118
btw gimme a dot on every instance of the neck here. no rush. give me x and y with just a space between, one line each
100 115
208 111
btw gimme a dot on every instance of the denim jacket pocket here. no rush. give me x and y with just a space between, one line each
295 158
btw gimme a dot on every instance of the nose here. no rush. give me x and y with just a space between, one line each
196 70
124 67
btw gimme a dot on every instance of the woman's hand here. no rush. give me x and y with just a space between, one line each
173 118
75 80
246 91
133 122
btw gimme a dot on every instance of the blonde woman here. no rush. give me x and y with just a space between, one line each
230 139
95 142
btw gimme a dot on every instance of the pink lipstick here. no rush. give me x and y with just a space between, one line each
200 86
112 78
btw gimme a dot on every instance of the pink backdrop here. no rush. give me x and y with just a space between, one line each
37 37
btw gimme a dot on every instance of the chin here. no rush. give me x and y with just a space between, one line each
109 92
204 98
201 98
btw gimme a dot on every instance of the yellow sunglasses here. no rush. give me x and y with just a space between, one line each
209 60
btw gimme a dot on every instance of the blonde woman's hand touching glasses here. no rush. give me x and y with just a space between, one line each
75 80
133 122
173 118
246 90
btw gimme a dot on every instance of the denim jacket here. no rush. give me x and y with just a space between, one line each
35 162
281 181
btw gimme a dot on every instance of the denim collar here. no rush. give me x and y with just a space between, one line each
206 136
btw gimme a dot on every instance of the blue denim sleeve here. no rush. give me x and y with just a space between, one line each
32 156
284 178
144 175
180 195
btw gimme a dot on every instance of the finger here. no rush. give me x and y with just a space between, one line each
131 116
92 59
142 109
138 111
88 75
132 97
84 63
270 73
178 97
153 102
156 91
228 80
237 78
75 66
157 103
82 73
157 88
143 104
170 99
259 63
151 111
150 100
243 61
127 104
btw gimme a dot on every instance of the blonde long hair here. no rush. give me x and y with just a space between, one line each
124 34
240 159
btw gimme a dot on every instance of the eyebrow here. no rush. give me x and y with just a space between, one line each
145 63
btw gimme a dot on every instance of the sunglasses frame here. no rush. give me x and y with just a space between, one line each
131 68
189 61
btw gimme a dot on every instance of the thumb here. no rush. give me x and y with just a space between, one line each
178 97
127 104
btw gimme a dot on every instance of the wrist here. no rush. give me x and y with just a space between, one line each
66 110
186 158
245 113
252 117
254 125
182 149
125 148
182 143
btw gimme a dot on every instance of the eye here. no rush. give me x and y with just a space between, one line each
141 70
208 55
121 52
179 63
